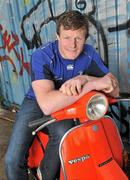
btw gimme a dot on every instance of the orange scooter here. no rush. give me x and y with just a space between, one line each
92 150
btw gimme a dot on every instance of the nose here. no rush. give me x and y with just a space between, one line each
73 43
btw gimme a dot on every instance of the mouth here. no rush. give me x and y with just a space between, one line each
72 50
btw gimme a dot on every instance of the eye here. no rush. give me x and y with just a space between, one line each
66 37
79 39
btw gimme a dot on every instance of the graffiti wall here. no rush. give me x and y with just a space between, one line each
26 24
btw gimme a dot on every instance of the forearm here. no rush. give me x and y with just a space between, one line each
108 84
86 78
91 78
56 100
51 100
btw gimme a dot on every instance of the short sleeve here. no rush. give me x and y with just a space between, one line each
97 67
40 67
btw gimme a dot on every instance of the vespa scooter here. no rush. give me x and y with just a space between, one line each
92 150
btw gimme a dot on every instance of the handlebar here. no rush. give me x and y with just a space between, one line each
39 122
73 111
123 97
43 126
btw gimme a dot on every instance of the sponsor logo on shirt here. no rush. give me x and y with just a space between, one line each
58 78
70 67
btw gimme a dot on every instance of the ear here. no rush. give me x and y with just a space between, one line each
57 36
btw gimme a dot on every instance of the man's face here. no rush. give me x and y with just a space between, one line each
71 42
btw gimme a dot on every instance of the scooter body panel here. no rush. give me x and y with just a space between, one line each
110 171
86 152
36 151
114 139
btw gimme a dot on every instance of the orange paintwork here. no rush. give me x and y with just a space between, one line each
91 147
92 150
76 110
35 152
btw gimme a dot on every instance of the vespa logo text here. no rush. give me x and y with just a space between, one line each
79 159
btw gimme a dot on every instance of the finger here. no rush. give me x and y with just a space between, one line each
79 88
63 89
68 90
76 87
74 90
114 84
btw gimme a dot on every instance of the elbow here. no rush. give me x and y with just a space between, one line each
46 110
47 113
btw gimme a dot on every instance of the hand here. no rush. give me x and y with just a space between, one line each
114 87
107 84
74 85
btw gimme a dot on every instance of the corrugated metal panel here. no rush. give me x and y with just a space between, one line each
25 24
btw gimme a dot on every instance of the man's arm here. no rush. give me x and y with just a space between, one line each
107 84
51 100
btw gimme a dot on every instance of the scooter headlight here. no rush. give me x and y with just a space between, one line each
96 107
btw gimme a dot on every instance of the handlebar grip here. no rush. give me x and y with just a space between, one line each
124 95
39 122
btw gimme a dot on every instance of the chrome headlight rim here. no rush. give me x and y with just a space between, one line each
92 99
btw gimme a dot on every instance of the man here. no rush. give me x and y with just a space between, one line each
62 72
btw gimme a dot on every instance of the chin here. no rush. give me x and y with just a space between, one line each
72 57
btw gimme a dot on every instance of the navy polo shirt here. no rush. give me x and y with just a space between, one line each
47 63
